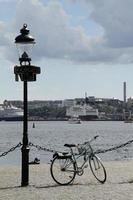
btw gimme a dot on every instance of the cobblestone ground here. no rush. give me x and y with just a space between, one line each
119 184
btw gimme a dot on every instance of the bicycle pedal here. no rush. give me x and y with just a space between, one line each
85 166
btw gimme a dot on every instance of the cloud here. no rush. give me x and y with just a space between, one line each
56 38
54 35
4 41
2 35
116 19
7 1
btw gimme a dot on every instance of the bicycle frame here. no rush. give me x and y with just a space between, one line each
83 154
86 153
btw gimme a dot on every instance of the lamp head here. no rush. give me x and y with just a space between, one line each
24 43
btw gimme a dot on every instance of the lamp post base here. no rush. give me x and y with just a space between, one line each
25 166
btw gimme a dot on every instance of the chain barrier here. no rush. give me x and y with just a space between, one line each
10 150
96 152
54 151
43 148
114 148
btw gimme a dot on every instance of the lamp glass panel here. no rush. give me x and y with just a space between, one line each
24 47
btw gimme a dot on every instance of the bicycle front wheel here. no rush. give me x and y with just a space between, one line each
63 170
97 168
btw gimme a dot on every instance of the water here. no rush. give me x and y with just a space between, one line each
54 135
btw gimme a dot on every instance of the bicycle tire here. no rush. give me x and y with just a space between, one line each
63 170
97 169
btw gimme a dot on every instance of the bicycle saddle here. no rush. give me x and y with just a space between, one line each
69 145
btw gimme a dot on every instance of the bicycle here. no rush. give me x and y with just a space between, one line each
64 166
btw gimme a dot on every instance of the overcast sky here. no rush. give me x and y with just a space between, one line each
81 46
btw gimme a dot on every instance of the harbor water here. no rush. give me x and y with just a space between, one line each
54 134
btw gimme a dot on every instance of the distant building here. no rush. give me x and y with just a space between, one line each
130 102
82 110
67 102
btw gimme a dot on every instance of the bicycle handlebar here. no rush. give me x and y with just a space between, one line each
94 138
74 145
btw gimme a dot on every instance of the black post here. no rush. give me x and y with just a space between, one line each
26 72
25 148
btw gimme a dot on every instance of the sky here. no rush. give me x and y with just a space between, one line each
82 46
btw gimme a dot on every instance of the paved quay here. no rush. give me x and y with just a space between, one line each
119 184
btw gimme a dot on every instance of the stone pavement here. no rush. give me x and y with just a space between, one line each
119 184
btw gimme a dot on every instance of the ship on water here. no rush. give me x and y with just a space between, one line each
84 112
8 112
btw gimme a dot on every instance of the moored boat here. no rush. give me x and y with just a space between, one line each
128 121
74 120
8 112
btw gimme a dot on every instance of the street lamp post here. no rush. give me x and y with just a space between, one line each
26 72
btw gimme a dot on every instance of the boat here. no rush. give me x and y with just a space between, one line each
84 112
8 112
128 119
74 120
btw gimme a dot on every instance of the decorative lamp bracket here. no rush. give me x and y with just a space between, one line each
26 72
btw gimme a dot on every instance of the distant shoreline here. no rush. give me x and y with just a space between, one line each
55 119
94 120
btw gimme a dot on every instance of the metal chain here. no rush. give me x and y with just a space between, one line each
53 151
43 148
96 152
10 150
114 148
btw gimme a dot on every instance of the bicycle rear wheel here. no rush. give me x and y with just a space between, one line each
97 168
63 170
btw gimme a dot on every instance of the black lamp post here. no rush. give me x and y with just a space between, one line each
26 72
